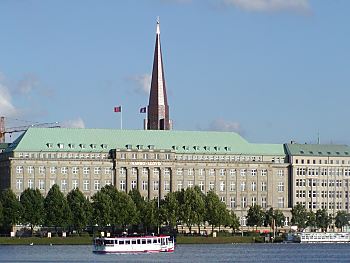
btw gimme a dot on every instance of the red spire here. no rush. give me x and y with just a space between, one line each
158 108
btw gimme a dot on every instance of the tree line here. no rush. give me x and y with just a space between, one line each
119 211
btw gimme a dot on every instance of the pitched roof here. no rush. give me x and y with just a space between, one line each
318 149
102 140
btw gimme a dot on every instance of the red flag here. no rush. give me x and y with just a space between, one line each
143 110
118 109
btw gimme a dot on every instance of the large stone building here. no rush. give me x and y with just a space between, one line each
159 160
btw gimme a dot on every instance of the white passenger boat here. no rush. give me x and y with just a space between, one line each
324 237
139 244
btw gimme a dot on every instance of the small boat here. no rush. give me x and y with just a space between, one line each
134 244
324 237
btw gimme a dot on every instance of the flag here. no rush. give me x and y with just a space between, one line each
118 109
143 110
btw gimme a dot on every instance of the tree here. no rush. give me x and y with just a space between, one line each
279 218
1 214
32 203
12 209
269 217
233 221
126 210
56 208
193 208
151 214
299 216
80 208
311 219
216 212
255 216
169 210
322 219
102 208
140 203
342 219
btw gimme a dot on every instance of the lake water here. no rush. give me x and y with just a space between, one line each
186 253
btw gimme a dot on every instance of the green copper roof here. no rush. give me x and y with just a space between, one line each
318 149
102 140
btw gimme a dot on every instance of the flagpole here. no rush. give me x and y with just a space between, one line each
121 119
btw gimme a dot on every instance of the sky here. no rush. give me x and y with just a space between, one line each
271 70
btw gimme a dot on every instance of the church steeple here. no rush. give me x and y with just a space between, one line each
158 108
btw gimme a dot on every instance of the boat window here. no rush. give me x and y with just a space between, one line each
121 242
138 241
149 241
133 241
155 241
127 242
108 242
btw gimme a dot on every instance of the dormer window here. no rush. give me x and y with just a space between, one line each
71 145
128 146
104 146
151 147
83 146
60 145
49 145
93 146
140 147
186 148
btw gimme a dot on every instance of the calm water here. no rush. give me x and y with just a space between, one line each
186 253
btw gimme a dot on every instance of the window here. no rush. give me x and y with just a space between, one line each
30 184
167 156
97 185
280 187
253 186
280 173
222 186
222 199
166 186
253 200
280 202
201 185
242 186
30 169
144 185
222 172
64 170
253 172
263 202
179 171
86 185
41 169
86 170
41 184
211 172
19 183
53 170
63 185
133 184
166 171
244 202
122 185
232 172
263 172
144 171
74 170
19 169
108 170
134 171
243 172
232 202
134 156
263 187
97 170
190 184
75 184
211 185
156 185
232 186
190 171
201 171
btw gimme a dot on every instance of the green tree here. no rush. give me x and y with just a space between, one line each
255 216
1 214
169 209
102 208
269 217
299 216
216 212
342 219
32 203
233 221
125 210
322 219
311 219
81 209
56 208
279 218
151 215
192 208
140 203
12 209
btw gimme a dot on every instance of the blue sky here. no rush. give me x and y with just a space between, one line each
272 70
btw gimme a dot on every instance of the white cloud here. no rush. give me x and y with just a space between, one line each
224 125
271 5
6 106
77 123
142 83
